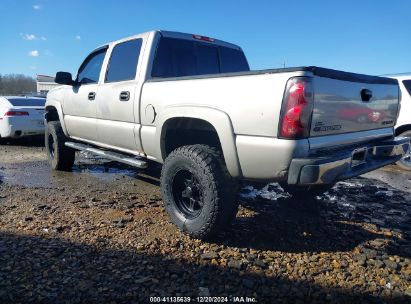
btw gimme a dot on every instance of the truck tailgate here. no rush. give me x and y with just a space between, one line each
352 105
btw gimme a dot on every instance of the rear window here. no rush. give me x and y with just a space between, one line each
207 59
179 57
27 102
407 85
232 61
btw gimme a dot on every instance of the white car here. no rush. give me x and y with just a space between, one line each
21 116
403 126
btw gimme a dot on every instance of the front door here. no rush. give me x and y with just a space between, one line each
80 102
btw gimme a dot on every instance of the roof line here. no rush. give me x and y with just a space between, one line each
397 74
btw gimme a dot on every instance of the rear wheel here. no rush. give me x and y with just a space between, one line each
60 157
198 192
405 162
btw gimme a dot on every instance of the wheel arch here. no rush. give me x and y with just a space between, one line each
201 119
402 128
54 112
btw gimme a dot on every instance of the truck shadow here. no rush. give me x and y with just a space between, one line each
293 226
350 215
333 222
340 221
37 269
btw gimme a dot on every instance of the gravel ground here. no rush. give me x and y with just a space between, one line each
100 234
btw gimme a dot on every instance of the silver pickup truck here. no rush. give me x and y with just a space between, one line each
191 103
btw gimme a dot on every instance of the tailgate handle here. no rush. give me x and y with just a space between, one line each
366 95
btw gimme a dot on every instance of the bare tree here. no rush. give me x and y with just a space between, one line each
15 84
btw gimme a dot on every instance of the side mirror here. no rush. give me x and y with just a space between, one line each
64 78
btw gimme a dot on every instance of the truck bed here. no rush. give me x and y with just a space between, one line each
317 71
338 108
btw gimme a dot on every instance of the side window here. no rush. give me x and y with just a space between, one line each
89 71
123 61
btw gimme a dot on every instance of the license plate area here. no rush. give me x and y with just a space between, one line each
37 122
358 157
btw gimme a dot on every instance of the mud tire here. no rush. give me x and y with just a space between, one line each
60 157
215 188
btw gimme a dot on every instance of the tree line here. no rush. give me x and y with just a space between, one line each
16 84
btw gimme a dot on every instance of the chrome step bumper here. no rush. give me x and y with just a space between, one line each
347 164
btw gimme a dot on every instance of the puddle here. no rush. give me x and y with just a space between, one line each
39 175
30 174
106 172
271 192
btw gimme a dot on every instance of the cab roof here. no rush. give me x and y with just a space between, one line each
178 35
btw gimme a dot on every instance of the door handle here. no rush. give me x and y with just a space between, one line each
91 95
125 96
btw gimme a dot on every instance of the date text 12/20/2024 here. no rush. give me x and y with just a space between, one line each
231 299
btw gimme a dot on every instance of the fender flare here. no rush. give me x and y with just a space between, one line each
217 118
405 124
57 105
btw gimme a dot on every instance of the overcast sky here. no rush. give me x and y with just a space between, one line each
373 37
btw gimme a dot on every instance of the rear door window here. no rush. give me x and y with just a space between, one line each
123 61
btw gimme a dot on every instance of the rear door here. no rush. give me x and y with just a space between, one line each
118 117
80 101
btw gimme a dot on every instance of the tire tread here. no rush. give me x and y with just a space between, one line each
224 206
64 156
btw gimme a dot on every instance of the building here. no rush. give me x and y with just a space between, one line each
45 83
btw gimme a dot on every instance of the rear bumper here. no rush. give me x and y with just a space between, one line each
331 169
15 131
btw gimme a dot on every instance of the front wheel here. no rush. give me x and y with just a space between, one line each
198 192
405 162
61 158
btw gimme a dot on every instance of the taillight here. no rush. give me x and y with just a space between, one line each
296 109
16 113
